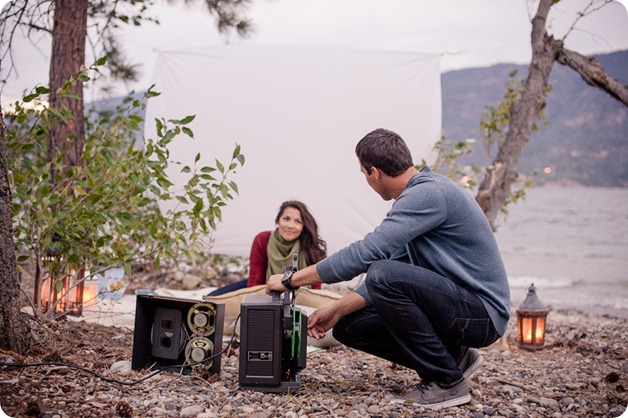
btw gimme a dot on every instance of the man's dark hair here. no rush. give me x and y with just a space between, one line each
385 150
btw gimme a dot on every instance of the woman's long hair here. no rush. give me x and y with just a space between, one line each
314 247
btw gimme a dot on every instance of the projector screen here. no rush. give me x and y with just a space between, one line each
297 113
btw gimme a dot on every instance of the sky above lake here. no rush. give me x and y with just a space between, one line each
463 33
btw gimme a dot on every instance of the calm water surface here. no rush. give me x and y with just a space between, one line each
572 243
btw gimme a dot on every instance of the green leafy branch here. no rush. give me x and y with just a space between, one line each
109 211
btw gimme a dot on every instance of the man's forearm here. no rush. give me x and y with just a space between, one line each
306 276
349 303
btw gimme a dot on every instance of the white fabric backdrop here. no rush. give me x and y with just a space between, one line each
298 113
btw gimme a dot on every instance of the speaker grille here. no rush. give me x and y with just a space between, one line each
260 330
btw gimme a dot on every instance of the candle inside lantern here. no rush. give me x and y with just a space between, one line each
526 326
90 292
529 329
540 329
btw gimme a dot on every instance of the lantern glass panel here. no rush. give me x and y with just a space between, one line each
540 329
526 330
90 292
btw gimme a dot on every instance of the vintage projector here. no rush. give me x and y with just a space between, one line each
177 334
273 342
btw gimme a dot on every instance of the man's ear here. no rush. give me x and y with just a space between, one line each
376 173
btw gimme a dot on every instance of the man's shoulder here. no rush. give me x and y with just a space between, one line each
429 188
421 180
431 179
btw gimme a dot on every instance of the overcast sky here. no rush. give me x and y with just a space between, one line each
466 33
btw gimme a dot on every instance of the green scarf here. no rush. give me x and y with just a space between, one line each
280 254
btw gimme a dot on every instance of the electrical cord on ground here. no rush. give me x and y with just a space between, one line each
120 382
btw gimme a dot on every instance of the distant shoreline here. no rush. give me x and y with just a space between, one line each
609 300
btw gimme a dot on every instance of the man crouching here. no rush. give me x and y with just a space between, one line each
435 287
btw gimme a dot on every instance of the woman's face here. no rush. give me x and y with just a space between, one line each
290 224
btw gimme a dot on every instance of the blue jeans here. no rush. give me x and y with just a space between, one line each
418 319
240 284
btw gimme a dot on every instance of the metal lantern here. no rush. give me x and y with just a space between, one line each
531 322
63 293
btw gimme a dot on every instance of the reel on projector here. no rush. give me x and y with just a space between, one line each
202 319
197 350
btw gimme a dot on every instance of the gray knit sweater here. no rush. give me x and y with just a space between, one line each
435 224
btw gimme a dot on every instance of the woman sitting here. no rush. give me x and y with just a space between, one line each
296 232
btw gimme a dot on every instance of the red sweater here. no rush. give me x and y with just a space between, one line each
258 260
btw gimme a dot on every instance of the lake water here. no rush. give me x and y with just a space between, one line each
572 243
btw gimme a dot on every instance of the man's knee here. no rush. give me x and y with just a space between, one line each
356 325
376 272
378 276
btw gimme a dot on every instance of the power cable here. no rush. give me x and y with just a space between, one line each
132 383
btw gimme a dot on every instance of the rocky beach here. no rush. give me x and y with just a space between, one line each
581 372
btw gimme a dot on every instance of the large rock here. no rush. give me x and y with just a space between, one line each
191 282
191 411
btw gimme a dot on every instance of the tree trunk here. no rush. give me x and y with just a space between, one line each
13 329
69 35
495 187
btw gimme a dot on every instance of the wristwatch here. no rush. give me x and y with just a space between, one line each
286 281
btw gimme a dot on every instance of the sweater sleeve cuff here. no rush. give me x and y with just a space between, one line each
361 290
325 272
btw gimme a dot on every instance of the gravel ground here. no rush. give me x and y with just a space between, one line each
582 372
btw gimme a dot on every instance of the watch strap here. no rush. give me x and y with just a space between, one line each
286 280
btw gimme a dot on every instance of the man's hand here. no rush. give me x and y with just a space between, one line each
322 321
274 284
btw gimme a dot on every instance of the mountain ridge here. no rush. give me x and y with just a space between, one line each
584 138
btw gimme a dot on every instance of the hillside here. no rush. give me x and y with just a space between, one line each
584 139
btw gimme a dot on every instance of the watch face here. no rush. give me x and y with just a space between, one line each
286 280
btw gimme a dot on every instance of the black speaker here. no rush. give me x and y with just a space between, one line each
177 333
273 343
